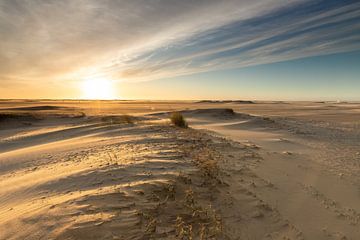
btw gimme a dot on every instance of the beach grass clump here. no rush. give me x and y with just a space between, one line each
229 111
178 120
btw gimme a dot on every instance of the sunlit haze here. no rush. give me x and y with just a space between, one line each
97 88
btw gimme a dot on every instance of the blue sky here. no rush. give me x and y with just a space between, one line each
329 77
275 49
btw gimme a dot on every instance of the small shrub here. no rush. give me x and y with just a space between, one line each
229 111
178 120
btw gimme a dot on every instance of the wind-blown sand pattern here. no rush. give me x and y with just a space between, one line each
83 170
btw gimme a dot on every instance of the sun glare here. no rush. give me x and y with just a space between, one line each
98 88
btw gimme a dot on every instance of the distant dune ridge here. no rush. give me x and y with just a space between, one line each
121 170
227 101
36 108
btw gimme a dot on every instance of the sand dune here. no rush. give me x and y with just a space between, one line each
242 174
308 186
35 108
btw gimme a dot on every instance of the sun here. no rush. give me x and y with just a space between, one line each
98 88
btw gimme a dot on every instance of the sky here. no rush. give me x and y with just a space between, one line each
170 49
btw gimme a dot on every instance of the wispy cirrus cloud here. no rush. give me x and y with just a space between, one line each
300 30
150 39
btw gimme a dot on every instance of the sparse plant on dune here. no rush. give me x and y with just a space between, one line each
184 231
229 111
178 120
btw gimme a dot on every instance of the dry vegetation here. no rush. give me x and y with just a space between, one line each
178 120
229 111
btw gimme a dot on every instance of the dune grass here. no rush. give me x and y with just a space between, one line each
178 120
229 111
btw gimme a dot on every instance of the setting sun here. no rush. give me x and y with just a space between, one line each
97 88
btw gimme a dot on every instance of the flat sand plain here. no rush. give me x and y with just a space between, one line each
119 170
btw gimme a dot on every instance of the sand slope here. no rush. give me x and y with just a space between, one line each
106 181
235 175
308 172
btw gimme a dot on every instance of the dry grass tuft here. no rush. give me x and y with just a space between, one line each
178 120
229 111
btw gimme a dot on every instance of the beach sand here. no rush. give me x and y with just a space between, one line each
119 170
